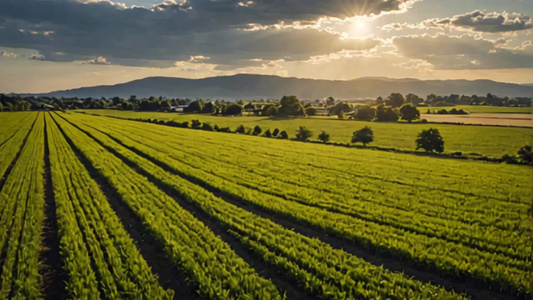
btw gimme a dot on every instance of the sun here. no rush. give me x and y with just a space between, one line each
359 27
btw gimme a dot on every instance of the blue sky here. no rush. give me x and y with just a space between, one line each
47 45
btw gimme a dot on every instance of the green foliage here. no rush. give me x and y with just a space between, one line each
233 109
303 134
290 106
365 113
310 111
267 133
386 114
395 100
409 113
324 136
275 132
430 140
196 124
207 127
257 130
240 129
364 135
341 115
283 135
270 111
525 155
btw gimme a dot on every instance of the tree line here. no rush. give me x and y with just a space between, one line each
381 109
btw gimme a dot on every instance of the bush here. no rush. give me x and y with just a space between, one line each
267 133
224 129
207 127
506 158
216 128
184 124
303 134
525 155
430 140
240 129
310 111
233 109
364 135
257 130
196 124
275 132
423 121
324 137
283 135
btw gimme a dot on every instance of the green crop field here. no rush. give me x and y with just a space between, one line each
94 207
484 140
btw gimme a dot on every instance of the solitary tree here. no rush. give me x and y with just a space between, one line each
303 134
525 155
430 140
364 135
409 113
324 137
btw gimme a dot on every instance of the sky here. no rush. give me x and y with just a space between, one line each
48 45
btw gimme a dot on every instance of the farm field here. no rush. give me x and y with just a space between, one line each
483 140
474 109
97 207
499 119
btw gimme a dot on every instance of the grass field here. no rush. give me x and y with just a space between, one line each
482 109
96 207
484 140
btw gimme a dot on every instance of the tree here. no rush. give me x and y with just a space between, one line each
330 101
267 133
207 127
413 99
385 114
195 106
364 135
283 135
290 106
395 100
270 111
275 132
257 130
341 115
324 136
525 155
1 107
430 140
310 111
233 109
409 113
365 113
303 134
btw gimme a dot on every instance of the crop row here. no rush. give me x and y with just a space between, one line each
313 264
207 262
21 219
298 186
449 258
13 143
501 201
91 233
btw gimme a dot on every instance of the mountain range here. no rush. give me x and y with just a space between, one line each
251 86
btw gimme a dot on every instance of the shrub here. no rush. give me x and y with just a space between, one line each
525 155
267 133
275 132
240 129
283 135
196 124
257 130
324 136
207 127
303 134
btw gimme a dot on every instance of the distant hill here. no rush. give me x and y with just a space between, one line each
249 86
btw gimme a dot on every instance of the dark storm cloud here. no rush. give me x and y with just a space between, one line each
464 52
66 30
